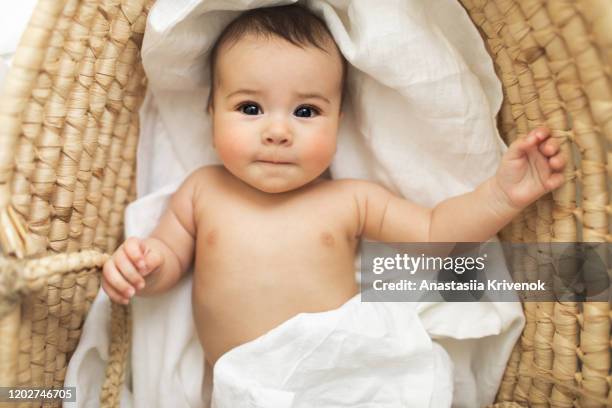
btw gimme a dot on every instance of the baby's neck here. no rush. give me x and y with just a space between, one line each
258 194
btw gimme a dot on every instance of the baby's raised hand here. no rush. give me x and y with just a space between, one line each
531 167
124 273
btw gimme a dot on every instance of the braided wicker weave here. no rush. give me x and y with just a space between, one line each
68 135
553 58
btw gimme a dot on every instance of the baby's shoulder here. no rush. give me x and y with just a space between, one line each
208 172
200 179
357 187
206 175
351 192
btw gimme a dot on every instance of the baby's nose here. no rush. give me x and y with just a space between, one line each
278 135
277 139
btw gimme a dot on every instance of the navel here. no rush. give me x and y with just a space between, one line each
327 239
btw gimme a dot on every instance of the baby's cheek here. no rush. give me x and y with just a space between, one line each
231 147
320 150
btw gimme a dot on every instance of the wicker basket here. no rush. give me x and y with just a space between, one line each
68 136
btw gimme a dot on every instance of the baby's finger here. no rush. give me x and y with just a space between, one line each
153 261
519 147
550 147
541 133
133 249
557 162
113 294
522 146
128 270
116 280
555 181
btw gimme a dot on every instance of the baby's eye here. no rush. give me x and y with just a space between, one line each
249 109
306 112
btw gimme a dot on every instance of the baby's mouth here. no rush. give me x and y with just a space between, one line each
276 162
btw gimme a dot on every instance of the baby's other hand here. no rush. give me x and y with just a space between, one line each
531 167
124 273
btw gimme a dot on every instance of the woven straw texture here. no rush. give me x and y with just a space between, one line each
553 58
68 135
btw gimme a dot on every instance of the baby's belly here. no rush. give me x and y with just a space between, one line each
234 305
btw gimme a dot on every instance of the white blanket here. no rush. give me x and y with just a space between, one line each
360 355
420 120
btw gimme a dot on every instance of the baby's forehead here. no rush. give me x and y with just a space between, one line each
270 53
250 42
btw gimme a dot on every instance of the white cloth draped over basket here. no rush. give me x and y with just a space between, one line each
420 120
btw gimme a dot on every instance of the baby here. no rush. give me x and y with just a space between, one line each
268 236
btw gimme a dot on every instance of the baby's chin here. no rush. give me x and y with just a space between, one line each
281 183
277 186
272 179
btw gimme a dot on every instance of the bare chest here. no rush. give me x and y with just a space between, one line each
275 235
303 238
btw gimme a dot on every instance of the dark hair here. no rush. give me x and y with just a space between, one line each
294 23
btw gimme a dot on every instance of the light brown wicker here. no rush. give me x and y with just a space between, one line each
68 134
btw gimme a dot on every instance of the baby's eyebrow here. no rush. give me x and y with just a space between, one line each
300 95
243 91
314 96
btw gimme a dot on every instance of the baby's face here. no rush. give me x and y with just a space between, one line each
276 111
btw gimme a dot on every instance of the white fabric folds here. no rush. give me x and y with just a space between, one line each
362 354
420 120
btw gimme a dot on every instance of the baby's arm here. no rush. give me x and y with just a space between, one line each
530 168
173 239
155 264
